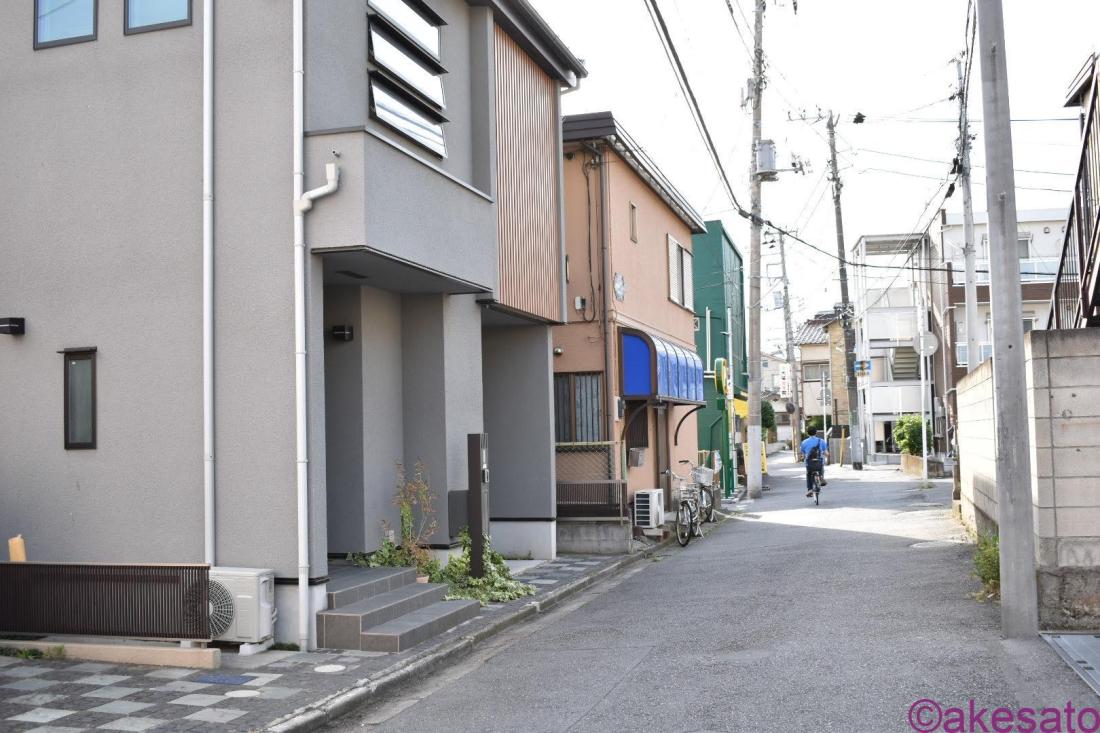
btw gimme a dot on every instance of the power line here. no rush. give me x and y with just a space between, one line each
941 162
685 85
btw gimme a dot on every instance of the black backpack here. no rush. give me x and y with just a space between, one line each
815 452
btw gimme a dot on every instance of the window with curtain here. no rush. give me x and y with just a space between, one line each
59 22
80 409
578 407
152 15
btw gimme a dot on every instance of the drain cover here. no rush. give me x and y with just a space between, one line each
1080 651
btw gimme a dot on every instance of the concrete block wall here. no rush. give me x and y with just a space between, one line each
1063 373
977 447
1063 396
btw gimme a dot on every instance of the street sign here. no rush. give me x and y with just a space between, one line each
927 343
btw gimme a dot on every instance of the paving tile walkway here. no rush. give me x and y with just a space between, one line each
248 693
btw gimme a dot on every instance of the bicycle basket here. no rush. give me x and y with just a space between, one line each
702 475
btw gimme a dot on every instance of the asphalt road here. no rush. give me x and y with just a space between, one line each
790 618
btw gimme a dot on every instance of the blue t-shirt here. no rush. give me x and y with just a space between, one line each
809 443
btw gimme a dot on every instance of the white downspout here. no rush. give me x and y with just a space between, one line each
208 279
303 202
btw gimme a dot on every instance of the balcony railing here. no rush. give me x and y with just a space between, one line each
1075 298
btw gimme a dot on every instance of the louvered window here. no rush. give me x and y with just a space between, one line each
681 275
406 82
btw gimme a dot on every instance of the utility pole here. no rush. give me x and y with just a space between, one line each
796 424
754 479
846 312
1019 596
972 348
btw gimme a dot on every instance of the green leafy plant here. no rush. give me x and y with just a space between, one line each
907 434
8 651
767 416
987 564
413 500
498 585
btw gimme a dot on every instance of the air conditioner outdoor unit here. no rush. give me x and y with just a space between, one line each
242 604
649 508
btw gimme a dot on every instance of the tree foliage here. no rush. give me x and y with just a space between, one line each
767 416
907 434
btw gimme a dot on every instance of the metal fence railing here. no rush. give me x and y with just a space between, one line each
1073 302
591 480
133 601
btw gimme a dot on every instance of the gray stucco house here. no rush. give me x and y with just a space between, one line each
263 255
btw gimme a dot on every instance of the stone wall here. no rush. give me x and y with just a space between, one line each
1063 394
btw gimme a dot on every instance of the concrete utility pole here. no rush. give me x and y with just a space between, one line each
796 424
753 478
846 313
1019 597
972 348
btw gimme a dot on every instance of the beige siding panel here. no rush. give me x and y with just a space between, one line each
527 183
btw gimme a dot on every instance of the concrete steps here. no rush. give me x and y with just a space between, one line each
385 610
409 630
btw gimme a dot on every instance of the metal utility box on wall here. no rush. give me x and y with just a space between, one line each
13 326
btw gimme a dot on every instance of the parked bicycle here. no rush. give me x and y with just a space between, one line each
694 501
686 496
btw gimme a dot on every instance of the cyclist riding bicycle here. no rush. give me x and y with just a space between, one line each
816 452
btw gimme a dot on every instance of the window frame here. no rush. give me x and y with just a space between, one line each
38 45
684 261
633 222
128 31
570 381
83 353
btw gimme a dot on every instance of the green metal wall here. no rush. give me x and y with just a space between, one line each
719 283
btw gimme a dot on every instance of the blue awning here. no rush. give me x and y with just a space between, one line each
655 369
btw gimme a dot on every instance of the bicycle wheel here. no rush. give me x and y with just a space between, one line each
817 489
706 499
696 519
683 524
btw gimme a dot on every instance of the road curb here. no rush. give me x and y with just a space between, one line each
321 712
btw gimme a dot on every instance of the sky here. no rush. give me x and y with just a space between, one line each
890 60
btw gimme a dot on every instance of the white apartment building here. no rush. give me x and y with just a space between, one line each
887 304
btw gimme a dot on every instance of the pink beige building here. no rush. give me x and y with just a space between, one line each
627 377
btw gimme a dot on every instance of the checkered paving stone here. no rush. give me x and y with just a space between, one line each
245 695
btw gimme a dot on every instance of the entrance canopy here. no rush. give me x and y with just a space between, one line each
655 369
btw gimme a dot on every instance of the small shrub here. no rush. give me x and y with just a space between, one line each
498 585
987 564
29 654
767 415
413 500
907 434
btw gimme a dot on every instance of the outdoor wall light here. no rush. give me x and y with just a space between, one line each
343 333
13 326
558 351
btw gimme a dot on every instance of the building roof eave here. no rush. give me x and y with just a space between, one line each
604 126
535 36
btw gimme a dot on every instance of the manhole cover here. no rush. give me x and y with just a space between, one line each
932 544
243 693
329 668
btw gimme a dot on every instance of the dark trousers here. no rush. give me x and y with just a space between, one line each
813 467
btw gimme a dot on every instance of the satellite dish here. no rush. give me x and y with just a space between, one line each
927 343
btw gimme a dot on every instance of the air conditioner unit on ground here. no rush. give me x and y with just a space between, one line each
242 604
649 508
